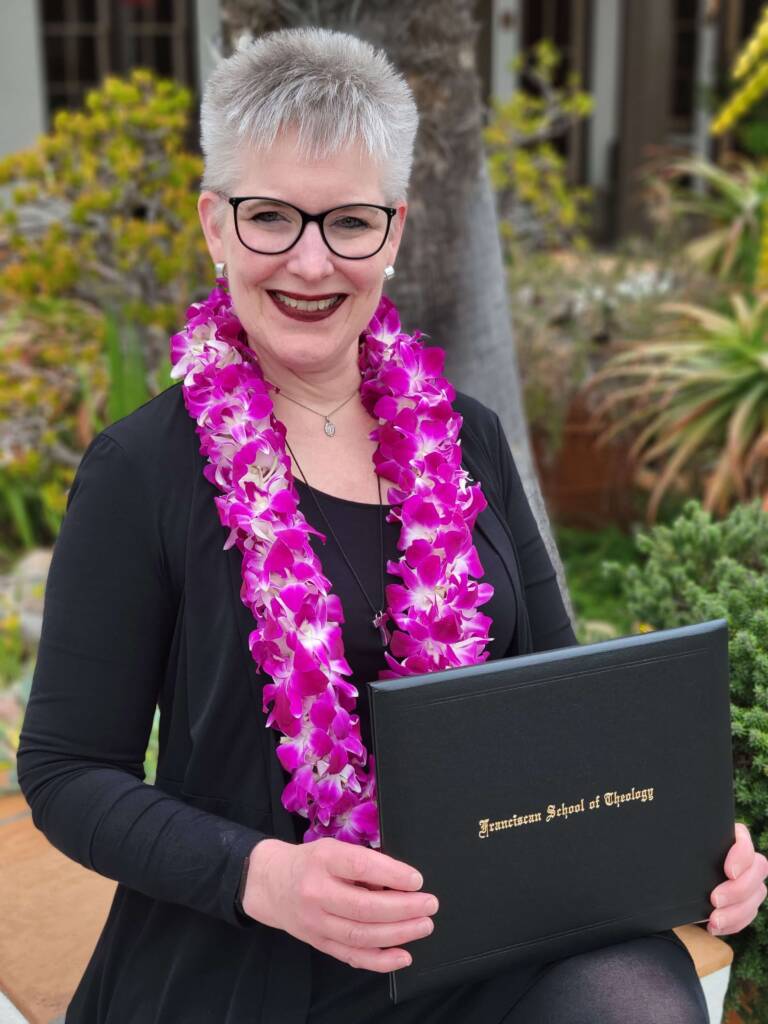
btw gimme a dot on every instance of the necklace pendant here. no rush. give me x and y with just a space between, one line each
329 427
378 620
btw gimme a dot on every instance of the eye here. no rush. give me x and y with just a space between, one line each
350 222
267 217
260 212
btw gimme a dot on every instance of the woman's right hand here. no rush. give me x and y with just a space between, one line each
318 892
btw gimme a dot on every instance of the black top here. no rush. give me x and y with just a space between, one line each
356 525
336 987
142 609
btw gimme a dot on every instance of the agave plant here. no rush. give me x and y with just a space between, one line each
734 205
699 401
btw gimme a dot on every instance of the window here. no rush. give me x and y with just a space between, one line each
84 40
567 24
684 49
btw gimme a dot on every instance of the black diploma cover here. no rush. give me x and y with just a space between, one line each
557 802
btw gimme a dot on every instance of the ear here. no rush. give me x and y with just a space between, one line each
396 231
212 220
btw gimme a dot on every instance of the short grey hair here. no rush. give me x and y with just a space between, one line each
332 87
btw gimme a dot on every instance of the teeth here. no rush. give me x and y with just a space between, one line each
310 307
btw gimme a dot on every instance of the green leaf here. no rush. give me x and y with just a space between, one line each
14 497
127 372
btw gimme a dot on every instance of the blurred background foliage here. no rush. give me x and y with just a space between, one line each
103 208
726 216
538 207
102 247
698 396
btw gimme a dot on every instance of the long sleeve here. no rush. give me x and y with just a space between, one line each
550 624
108 622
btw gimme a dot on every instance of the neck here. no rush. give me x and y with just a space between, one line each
318 387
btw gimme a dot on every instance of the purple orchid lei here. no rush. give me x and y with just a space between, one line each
297 640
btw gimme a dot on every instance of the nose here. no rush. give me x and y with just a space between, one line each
310 258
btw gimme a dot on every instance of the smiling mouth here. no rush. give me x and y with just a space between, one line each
317 304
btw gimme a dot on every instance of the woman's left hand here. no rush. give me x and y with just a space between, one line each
738 900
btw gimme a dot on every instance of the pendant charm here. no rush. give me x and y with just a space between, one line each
329 427
378 620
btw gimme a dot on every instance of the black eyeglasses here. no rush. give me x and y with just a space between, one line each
270 226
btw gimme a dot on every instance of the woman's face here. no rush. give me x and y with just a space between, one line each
309 270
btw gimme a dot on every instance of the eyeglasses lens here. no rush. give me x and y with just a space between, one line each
271 227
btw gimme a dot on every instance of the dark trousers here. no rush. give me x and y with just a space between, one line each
651 980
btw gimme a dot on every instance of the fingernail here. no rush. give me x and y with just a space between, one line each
717 900
715 923
417 880
404 961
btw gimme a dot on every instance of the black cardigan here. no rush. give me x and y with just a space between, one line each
142 608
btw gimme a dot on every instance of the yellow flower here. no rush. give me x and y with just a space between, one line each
754 48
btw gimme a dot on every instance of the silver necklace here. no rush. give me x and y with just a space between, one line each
328 427
380 616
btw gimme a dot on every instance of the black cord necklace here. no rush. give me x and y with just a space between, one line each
380 616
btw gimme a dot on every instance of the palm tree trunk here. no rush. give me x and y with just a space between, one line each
451 280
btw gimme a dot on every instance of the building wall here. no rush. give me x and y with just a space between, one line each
22 112
603 127
646 89
208 30
504 46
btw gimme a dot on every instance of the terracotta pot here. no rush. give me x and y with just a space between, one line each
733 1016
586 485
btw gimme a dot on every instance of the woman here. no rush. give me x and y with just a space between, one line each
250 887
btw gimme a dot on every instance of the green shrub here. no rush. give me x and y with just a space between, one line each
100 247
53 380
696 569
595 595
103 209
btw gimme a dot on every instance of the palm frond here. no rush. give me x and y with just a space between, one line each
757 453
677 425
715 323
728 184
682 455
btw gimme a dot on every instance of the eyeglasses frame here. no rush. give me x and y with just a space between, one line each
311 218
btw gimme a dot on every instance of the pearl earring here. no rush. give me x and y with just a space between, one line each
221 270
389 273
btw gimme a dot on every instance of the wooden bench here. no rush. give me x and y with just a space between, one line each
53 911
713 959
